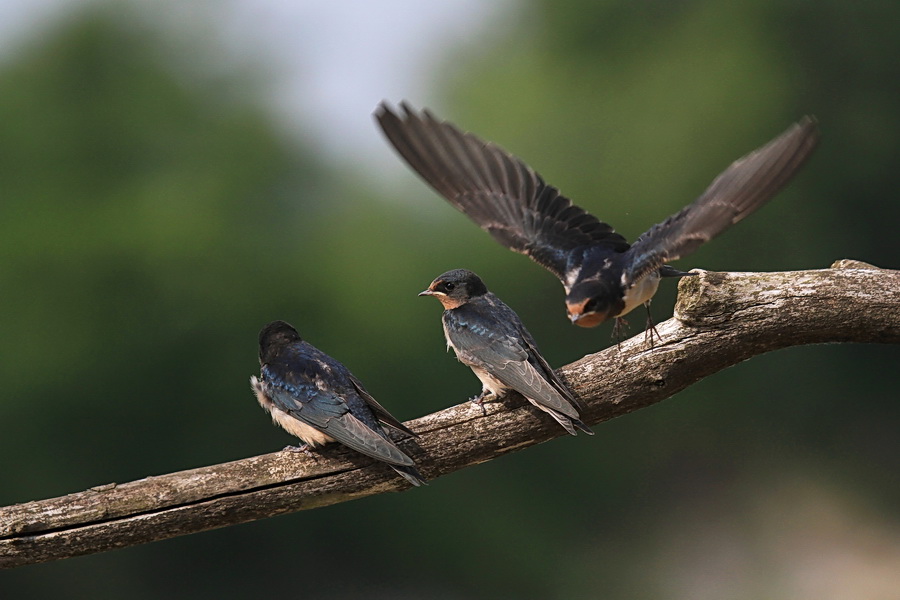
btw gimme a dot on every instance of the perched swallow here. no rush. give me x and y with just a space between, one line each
604 276
489 338
315 398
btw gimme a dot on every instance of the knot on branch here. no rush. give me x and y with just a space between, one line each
849 263
704 299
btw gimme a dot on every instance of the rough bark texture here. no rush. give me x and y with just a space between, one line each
720 319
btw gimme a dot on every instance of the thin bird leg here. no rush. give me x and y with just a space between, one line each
480 399
619 331
650 328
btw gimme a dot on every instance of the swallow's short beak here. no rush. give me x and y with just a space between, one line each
427 293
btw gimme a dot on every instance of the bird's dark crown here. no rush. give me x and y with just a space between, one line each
459 283
274 336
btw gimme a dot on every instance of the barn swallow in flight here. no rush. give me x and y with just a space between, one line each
604 277
314 397
489 338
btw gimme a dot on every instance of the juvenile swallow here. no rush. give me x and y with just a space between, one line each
603 275
314 397
489 338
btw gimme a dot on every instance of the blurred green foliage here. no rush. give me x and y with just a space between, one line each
152 221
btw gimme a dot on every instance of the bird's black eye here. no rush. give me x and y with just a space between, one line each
595 305
449 286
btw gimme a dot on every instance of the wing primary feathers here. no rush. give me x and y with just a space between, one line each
405 145
452 153
494 189
466 151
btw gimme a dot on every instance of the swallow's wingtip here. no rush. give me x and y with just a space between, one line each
402 111
809 126
584 428
809 130
384 111
411 474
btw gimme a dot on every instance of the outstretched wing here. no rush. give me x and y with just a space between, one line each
499 192
742 188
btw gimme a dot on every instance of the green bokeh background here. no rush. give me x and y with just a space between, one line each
153 217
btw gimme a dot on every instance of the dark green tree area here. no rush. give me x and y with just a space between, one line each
153 218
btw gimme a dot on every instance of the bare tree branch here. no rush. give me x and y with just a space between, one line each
720 320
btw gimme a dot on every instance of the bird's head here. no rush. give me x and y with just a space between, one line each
455 288
590 303
275 336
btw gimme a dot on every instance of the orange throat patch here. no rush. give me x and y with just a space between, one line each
581 318
590 320
446 301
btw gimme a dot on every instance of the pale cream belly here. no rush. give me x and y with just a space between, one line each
640 293
490 383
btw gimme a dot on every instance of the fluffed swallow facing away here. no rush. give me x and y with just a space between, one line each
604 277
488 337
315 398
